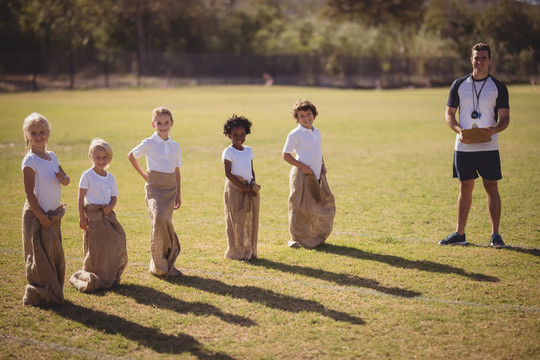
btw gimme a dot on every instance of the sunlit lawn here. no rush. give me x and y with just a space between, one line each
380 288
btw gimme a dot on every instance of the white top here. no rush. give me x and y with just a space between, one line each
307 145
241 161
492 96
47 187
161 155
99 188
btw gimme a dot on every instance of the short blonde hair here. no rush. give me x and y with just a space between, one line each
32 120
161 111
100 144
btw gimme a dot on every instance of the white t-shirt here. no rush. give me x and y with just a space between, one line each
485 97
46 187
307 145
241 161
99 188
161 155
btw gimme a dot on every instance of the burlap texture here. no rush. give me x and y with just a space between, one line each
44 257
164 245
104 249
241 220
311 209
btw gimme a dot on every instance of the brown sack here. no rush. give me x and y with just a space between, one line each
44 257
164 245
241 221
311 209
104 248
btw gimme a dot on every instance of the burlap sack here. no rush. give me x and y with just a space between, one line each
241 220
164 245
104 249
311 209
44 257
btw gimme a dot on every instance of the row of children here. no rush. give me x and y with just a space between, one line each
311 203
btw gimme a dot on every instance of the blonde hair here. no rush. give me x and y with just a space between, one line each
32 120
161 111
100 144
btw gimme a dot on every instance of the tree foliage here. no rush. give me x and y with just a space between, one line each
318 27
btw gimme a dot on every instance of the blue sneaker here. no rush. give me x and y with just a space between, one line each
497 241
454 239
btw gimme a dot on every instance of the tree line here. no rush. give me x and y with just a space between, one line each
397 28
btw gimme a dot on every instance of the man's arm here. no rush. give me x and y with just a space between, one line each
451 121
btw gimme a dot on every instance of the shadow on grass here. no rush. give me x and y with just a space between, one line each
148 296
340 279
397 261
533 252
264 297
151 338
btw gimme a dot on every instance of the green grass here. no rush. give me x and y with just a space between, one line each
380 288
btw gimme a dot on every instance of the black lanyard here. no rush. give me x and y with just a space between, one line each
475 114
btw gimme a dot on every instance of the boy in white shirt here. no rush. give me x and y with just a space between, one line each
311 203
163 191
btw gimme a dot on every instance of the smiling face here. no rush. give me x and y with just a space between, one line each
100 159
305 118
480 61
238 137
162 123
37 135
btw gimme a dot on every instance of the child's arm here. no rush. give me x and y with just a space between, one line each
109 208
62 177
133 160
83 220
178 201
323 167
228 173
306 170
29 179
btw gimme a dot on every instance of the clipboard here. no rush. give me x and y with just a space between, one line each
475 135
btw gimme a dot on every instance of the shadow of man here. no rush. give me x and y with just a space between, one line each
396 261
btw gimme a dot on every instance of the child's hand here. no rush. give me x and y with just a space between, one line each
177 202
83 223
248 189
44 220
107 210
62 177
306 170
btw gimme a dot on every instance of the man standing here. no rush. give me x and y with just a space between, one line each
483 104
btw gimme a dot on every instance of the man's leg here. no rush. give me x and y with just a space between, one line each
494 204
464 204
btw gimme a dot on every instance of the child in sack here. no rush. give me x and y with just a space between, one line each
163 190
104 239
311 203
240 196
42 214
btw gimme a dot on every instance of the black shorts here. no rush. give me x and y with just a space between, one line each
467 165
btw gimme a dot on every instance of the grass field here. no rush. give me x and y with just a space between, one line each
380 288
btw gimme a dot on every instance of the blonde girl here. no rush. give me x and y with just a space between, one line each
42 214
104 239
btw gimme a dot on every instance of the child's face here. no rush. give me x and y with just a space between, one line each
305 118
162 123
100 159
37 136
237 136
